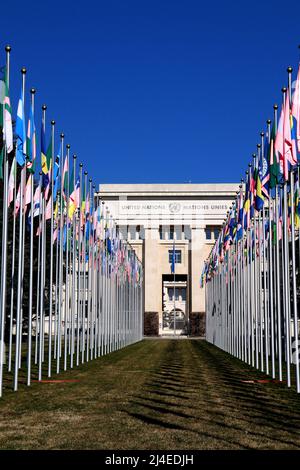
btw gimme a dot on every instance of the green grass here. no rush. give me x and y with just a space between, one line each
157 394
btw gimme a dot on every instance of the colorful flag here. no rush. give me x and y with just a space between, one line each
285 145
74 199
259 198
28 190
296 109
12 181
31 143
21 135
273 158
6 115
48 209
297 203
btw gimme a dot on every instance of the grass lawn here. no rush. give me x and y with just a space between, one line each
157 394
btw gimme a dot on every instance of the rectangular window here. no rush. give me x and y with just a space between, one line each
171 237
183 294
216 233
212 232
160 232
208 233
177 256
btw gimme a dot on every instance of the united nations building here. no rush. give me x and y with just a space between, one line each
166 222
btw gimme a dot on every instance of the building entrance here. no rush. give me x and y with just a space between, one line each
175 313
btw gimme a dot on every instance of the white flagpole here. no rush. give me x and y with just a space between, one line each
4 242
20 261
51 257
30 268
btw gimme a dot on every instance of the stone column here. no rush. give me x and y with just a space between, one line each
197 306
153 280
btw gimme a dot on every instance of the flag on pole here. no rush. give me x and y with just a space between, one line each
296 109
48 209
273 158
12 182
74 199
297 203
28 190
56 175
21 135
6 115
31 143
285 145
259 198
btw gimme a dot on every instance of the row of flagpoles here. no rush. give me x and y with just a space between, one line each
70 289
252 275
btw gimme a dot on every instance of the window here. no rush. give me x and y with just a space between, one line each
171 237
183 294
177 256
160 232
216 233
180 293
208 233
212 233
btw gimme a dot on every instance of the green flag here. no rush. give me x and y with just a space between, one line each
273 161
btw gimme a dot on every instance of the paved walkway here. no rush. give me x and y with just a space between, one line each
159 394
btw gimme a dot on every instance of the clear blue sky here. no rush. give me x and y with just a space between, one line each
155 90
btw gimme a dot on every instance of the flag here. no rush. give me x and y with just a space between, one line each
297 203
48 209
31 142
264 168
259 198
273 159
21 135
56 175
46 154
36 201
285 145
296 109
74 199
17 201
6 115
247 204
28 190
240 214
12 182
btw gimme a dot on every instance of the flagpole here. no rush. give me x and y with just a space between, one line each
4 227
83 305
20 262
79 323
12 283
67 289
174 282
51 255
60 269
293 242
32 91
24 224
74 268
4 240
270 268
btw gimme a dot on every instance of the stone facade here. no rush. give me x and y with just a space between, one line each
157 219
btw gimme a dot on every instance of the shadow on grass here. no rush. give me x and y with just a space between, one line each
199 390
